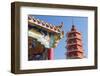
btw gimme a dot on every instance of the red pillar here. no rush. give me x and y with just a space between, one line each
50 53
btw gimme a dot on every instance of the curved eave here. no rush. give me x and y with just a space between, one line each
73 39
75 51
74 32
43 27
73 45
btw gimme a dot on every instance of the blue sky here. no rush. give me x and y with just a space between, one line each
81 24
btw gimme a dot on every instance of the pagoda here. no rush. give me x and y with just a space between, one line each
74 44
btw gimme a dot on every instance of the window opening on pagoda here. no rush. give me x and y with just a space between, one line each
72 35
72 41
75 54
75 41
69 42
71 54
74 47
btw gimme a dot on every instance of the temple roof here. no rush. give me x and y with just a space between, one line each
44 25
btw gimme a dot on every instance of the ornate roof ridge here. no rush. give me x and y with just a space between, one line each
41 23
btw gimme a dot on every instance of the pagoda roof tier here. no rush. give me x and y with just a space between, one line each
78 43
73 45
69 51
71 32
73 39
77 47
44 25
75 57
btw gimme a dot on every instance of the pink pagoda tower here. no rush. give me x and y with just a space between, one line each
74 44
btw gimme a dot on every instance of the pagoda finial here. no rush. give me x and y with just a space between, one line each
73 28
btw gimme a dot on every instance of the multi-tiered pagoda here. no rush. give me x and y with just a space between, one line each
74 44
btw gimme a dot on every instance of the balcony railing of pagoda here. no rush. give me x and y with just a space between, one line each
74 43
80 50
75 57
73 37
71 32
